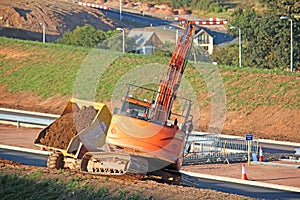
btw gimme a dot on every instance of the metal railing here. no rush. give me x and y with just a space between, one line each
26 117
199 148
210 148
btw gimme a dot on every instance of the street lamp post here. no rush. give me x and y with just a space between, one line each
44 30
285 17
123 33
240 44
120 10
176 39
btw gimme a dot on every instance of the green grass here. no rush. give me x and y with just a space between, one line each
16 186
50 69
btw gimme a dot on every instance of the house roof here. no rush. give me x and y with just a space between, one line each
143 38
220 37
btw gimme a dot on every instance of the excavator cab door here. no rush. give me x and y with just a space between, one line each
134 108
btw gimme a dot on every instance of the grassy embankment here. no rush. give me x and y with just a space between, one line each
49 69
36 186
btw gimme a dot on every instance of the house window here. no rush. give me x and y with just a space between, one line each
203 39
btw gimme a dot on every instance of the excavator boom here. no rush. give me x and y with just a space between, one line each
170 83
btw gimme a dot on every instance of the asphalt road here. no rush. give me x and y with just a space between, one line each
26 158
144 20
245 190
277 148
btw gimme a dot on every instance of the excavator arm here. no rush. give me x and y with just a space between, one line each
170 82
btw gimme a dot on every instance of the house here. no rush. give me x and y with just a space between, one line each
208 39
145 42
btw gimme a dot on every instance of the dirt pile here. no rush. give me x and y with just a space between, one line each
67 126
10 17
25 19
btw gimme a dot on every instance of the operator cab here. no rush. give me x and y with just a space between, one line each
135 108
139 103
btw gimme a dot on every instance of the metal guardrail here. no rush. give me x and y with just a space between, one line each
26 117
208 148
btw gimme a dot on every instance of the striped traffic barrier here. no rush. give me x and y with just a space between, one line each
92 5
209 22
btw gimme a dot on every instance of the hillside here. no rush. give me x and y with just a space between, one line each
41 77
22 19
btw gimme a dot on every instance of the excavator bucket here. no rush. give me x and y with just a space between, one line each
83 124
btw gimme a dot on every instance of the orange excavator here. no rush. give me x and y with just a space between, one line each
142 137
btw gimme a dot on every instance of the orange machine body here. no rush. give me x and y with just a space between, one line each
146 138
145 127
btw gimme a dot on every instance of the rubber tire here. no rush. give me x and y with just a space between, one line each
56 161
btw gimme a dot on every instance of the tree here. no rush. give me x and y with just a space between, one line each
85 36
265 49
283 7
266 39
227 56
245 20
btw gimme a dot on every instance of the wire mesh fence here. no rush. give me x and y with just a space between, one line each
211 148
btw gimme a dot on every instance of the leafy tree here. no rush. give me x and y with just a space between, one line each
265 49
245 20
283 7
86 36
266 39
227 56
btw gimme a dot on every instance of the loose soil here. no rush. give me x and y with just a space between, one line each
67 126
22 19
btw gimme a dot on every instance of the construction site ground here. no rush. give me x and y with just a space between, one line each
287 176
21 19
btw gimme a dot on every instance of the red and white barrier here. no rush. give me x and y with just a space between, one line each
210 21
92 5
180 19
